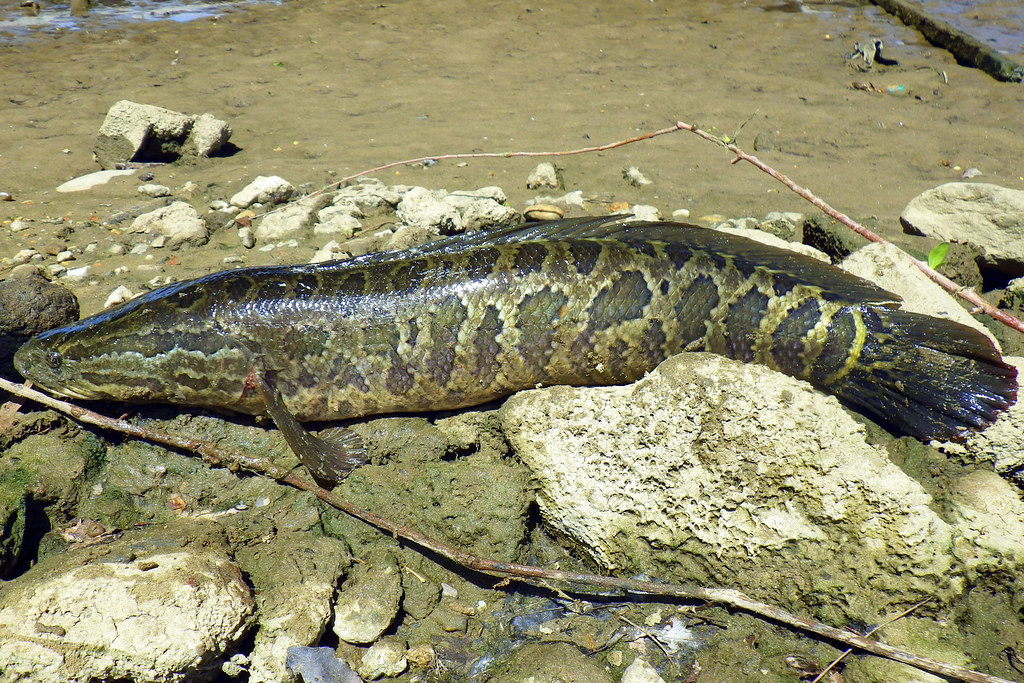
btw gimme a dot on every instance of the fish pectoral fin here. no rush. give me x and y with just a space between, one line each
329 459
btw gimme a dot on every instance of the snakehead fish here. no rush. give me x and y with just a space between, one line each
470 318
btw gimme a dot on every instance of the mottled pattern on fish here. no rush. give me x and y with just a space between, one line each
472 318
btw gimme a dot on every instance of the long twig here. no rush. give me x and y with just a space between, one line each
964 293
579 582
479 155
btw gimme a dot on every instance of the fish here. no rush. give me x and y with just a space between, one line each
475 317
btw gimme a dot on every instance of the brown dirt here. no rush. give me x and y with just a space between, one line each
316 89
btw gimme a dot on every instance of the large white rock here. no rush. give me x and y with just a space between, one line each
177 221
130 128
987 215
723 474
263 190
423 208
892 269
161 614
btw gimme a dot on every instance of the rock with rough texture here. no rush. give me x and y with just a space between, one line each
369 599
30 305
340 220
423 208
295 577
143 132
640 672
290 221
892 269
718 473
148 607
544 176
386 657
989 216
263 190
483 208
177 221
549 663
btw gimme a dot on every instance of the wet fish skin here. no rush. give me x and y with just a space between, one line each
476 317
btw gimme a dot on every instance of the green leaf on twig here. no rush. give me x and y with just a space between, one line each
937 255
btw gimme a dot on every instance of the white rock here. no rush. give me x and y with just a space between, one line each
544 176
986 215
773 241
77 273
263 190
891 269
178 221
386 657
130 126
341 219
481 209
642 212
424 208
641 672
118 296
246 237
152 190
719 473
23 256
369 599
208 135
370 195
291 220
64 256
329 252
635 177
680 214
151 616
91 180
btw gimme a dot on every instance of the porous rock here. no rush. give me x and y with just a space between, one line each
138 132
386 657
177 221
369 599
483 208
425 208
263 190
549 663
987 215
295 578
290 221
719 473
147 607
892 269
1000 443
544 176
340 219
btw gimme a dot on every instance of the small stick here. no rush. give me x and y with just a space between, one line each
481 155
947 284
212 455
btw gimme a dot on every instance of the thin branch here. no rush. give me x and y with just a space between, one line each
578 582
480 155
953 288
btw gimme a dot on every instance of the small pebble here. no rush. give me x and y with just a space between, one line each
115 249
24 256
90 248
139 248
158 242
246 237
972 173
154 191
19 225
77 273
26 270
679 214
55 270
635 177
233 259
219 205
65 255
119 296
6 197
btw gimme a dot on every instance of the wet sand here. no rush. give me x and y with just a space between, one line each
318 89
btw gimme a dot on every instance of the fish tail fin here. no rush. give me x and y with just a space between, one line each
927 377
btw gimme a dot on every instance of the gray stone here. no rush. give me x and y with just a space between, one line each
640 672
544 176
153 190
893 270
137 132
263 190
178 221
151 608
290 221
988 216
386 657
643 212
30 305
369 599
209 134
341 219
1000 443
423 208
718 473
483 208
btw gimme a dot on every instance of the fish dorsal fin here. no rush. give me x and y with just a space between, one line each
745 253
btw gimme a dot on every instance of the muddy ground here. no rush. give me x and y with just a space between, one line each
320 89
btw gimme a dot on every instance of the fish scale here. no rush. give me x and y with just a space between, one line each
471 318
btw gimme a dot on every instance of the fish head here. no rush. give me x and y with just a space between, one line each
158 347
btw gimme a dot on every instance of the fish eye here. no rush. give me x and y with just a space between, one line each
54 360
